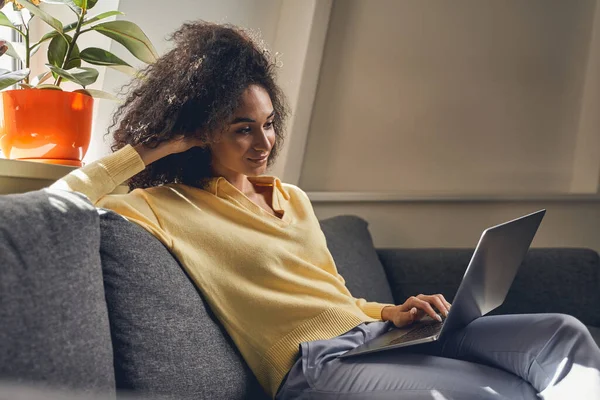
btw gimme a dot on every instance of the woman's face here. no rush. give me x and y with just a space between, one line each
244 147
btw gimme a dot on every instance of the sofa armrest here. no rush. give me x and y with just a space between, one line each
550 280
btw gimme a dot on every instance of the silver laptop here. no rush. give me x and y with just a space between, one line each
489 275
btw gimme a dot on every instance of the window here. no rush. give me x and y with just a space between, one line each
10 35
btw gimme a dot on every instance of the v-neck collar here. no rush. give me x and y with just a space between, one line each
222 188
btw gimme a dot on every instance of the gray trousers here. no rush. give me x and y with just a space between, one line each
549 356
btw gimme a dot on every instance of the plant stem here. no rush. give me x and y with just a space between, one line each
72 44
27 52
27 55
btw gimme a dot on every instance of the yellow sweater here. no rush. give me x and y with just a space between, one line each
271 282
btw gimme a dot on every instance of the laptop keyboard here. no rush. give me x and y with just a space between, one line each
420 332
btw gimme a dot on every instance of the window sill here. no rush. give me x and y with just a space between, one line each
24 176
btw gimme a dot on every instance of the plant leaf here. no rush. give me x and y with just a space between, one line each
86 4
41 78
71 3
82 76
126 69
86 21
131 36
74 59
57 50
73 6
50 35
9 78
98 94
96 56
15 50
4 21
51 87
43 15
34 49
25 85
20 50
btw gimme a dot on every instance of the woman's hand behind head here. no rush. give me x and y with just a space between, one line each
177 144
182 143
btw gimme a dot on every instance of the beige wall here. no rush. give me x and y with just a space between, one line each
460 223
455 98
444 96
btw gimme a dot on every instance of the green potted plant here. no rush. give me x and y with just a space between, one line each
39 120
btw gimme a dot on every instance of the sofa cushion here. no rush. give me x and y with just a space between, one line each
166 339
54 326
562 280
424 271
351 246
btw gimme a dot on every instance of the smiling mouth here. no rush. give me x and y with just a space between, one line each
260 159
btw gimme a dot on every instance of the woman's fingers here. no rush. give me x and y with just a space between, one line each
445 301
405 318
423 305
439 303
416 307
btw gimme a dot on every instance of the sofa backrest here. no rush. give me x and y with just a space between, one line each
556 280
166 339
53 319
351 245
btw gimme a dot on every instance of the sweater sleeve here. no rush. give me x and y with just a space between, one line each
371 308
99 178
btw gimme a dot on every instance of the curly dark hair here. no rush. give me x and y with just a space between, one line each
194 90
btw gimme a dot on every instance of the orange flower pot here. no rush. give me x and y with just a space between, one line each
49 126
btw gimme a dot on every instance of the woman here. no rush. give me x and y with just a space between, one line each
193 139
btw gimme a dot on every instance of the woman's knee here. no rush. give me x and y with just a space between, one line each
567 323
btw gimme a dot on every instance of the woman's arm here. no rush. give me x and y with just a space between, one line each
371 308
101 177
413 309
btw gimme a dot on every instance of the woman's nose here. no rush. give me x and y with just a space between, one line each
263 140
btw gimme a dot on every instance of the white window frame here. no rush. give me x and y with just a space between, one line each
8 34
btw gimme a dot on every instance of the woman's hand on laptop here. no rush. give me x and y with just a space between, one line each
415 308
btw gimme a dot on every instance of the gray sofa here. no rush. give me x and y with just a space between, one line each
93 303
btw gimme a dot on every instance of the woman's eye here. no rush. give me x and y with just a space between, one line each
269 125
244 130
